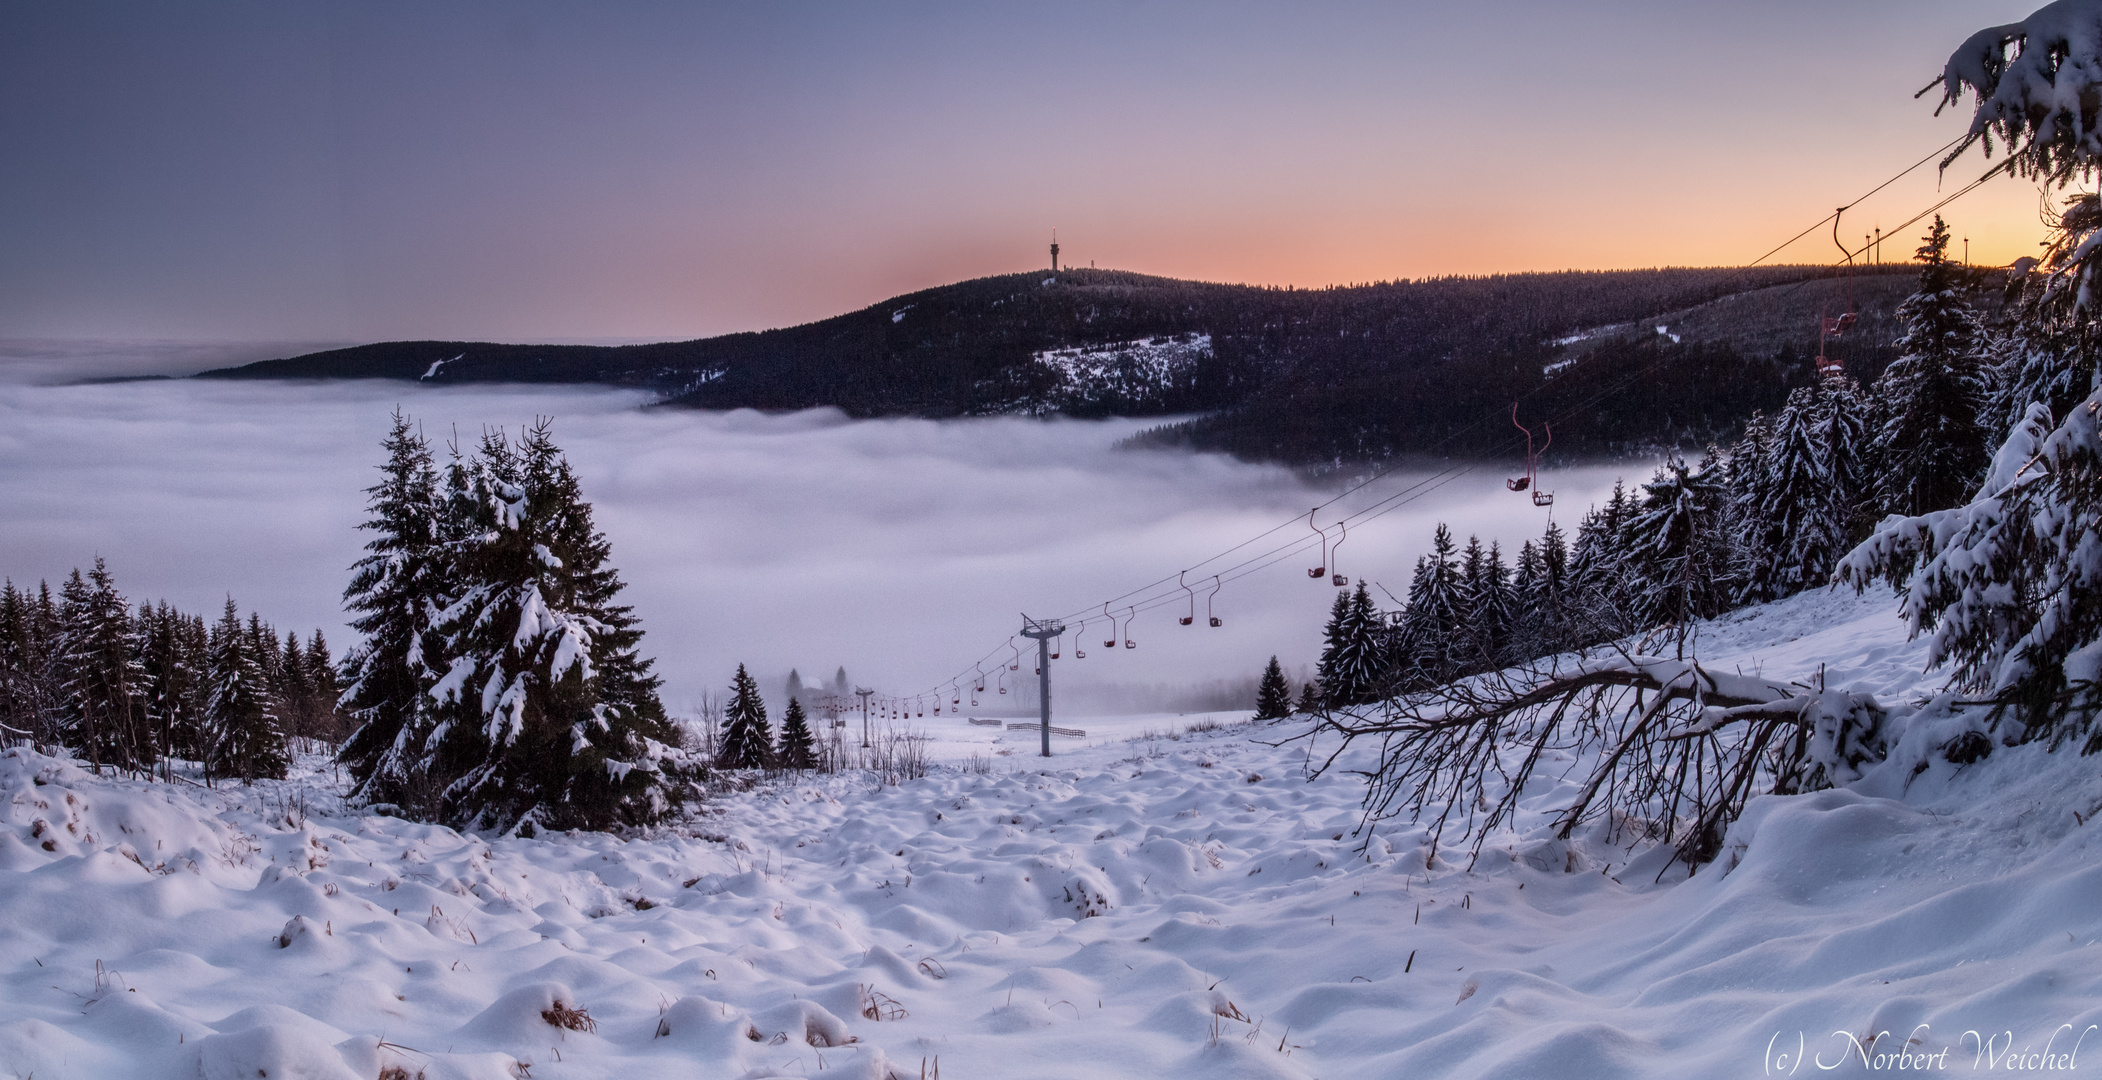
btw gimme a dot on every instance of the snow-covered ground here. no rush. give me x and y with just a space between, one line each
1153 902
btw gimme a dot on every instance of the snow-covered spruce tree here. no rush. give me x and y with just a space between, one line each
1679 548
1487 606
30 690
327 690
246 739
394 590
1550 617
545 692
747 742
1333 634
1273 696
1802 501
798 745
1360 664
1428 643
172 663
1596 596
1310 698
2009 586
102 673
1931 447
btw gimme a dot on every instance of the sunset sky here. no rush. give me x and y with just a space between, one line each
319 172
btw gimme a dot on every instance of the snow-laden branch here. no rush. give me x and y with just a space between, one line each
2037 82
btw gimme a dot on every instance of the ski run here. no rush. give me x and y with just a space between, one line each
1170 897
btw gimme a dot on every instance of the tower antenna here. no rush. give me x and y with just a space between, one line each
1054 249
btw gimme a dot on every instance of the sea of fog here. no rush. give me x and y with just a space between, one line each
902 550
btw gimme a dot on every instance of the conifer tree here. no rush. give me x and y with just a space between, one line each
1310 698
29 691
1596 594
172 674
1333 635
246 739
1679 548
1352 672
1431 622
394 590
545 691
102 675
798 746
747 742
294 688
321 675
1802 502
1485 595
1273 697
1931 448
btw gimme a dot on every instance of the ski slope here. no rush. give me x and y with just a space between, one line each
1153 902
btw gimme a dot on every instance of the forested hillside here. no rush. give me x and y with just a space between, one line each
1302 376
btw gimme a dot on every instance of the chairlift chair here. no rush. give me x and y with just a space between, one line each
1129 613
1079 640
1216 584
1831 367
1111 641
1192 616
1318 572
1339 579
1531 479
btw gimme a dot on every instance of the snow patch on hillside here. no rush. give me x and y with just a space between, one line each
1141 371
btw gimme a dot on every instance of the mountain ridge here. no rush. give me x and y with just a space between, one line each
1296 375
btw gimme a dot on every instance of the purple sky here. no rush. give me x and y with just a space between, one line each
316 171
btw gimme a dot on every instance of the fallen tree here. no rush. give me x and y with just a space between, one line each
1675 749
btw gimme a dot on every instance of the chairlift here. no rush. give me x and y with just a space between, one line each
1531 479
1058 642
1192 616
1079 640
1016 663
1339 579
1319 571
1129 614
1111 642
1831 367
980 688
1216 585
955 693
1003 682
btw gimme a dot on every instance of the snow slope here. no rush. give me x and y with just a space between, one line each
1163 905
